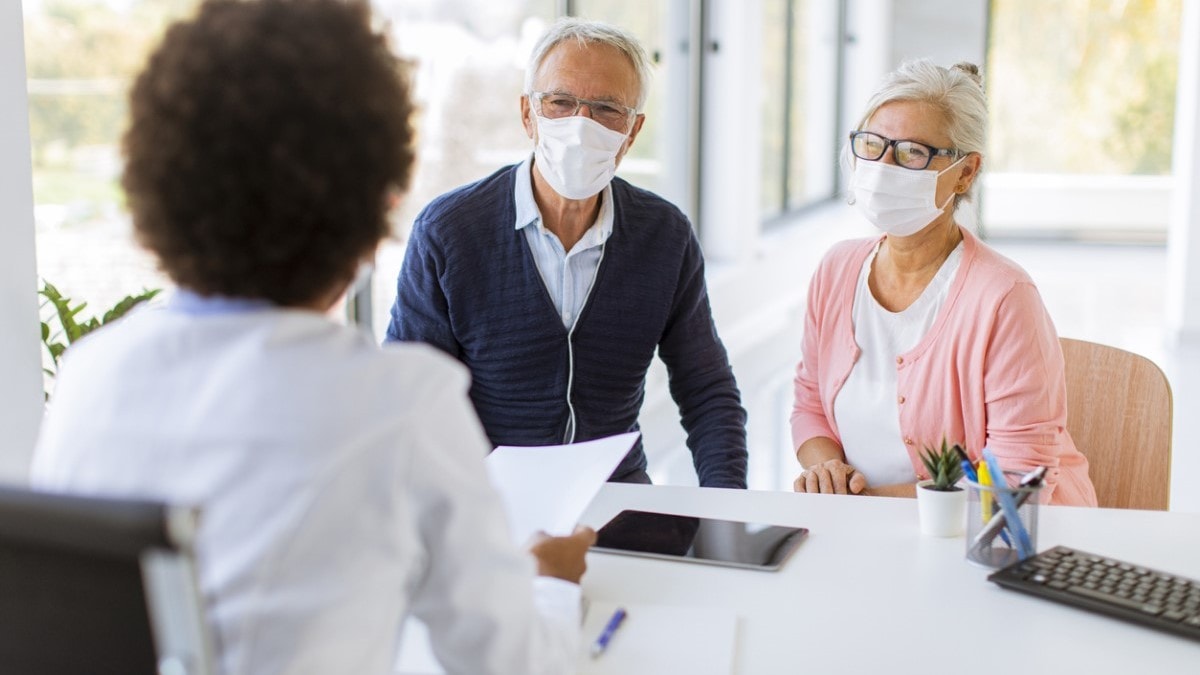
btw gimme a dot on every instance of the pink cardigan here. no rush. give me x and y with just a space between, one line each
988 373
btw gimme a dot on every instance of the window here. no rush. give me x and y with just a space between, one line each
1082 101
644 166
81 56
1083 87
799 103
469 59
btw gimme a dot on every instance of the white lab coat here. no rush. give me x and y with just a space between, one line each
342 488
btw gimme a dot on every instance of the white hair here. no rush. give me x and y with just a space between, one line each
588 32
957 92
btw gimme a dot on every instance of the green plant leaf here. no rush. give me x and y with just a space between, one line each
62 309
127 303
73 325
944 466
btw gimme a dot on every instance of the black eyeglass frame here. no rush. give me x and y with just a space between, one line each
890 143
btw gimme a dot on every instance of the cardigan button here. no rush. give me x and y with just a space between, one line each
899 360
908 441
900 400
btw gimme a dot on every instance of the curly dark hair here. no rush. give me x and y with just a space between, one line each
266 141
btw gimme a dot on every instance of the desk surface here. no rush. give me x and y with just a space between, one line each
867 591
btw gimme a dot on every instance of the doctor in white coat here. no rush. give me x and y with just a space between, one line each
342 485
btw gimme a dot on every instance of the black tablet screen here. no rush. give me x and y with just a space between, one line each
707 540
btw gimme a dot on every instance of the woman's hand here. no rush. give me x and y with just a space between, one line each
833 476
563 557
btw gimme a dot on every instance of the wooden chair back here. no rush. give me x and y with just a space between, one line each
1119 414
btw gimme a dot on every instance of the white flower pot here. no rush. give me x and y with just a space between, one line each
943 514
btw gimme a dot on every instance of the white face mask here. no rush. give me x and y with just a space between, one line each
896 200
576 155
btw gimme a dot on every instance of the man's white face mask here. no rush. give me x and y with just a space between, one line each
576 155
896 200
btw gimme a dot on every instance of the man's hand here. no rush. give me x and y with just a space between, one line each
563 557
833 476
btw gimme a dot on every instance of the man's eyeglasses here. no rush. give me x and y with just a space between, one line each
908 154
609 113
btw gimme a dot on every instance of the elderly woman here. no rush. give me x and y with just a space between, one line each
342 485
925 333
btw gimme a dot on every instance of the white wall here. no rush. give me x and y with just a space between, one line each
20 367
1183 248
946 31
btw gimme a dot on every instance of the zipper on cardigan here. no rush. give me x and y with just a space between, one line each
569 432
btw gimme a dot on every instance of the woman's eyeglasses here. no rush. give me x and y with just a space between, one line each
908 154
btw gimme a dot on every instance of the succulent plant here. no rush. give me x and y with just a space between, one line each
944 466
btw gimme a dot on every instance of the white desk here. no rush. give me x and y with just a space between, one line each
866 592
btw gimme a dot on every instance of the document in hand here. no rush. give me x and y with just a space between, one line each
548 488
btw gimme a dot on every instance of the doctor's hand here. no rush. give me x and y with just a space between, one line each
563 557
833 476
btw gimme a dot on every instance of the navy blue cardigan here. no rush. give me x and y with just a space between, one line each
469 286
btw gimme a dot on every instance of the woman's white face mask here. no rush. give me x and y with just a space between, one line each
576 155
898 201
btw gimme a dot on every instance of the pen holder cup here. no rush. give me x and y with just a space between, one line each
993 540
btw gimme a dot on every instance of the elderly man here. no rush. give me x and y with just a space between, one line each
555 282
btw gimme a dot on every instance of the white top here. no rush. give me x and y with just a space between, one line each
567 275
866 407
342 487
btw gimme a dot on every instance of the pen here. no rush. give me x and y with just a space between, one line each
985 499
986 504
1009 509
968 468
606 635
997 523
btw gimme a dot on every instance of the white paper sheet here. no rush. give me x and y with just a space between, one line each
656 639
548 488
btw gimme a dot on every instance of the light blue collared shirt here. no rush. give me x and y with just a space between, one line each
567 275
189 302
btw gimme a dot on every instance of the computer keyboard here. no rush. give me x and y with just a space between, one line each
1139 594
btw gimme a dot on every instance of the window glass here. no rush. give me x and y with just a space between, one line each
812 154
81 56
800 46
1082 87
469 61
644 164
773 104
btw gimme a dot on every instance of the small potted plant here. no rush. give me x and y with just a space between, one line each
941 503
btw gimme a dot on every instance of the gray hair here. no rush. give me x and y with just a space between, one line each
956 91
586 32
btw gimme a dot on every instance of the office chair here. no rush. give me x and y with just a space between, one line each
1119 413
91 585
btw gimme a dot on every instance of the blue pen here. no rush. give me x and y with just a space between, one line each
973 476
1009 507
606 635
968 467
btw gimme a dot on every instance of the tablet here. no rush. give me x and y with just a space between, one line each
701 540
